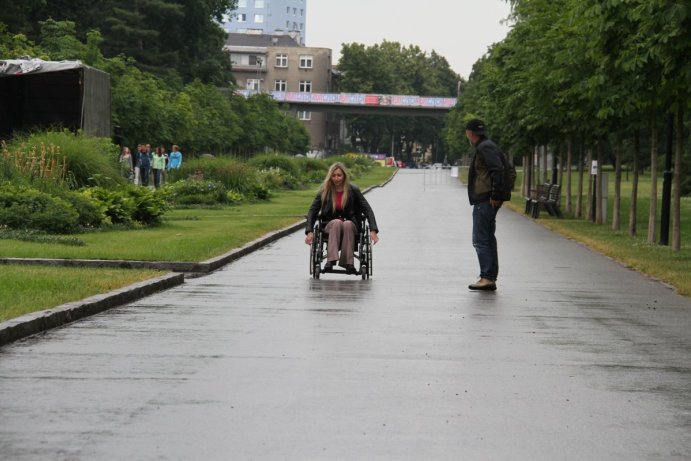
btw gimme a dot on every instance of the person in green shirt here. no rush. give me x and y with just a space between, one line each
158 164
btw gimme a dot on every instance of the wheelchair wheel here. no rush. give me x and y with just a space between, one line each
366 255
316 252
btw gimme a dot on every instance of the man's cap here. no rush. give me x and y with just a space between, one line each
476 125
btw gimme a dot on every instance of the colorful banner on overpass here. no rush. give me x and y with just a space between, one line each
358 99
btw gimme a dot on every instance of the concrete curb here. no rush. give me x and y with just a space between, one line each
37 322
175 266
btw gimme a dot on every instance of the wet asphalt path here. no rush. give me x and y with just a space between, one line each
574 357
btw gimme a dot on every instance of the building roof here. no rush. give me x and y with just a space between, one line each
259 40
28 65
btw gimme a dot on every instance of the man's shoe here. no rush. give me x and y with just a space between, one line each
484 285
350 269
329 265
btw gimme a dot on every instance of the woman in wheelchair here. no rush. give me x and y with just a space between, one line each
340 205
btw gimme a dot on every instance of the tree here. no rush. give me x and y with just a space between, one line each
390 68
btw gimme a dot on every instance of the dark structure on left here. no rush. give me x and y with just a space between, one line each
53 94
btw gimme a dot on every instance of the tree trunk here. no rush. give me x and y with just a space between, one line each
676 199
525 188
579 196
560 166
569 159
536 165
589 196
616 208
598 184
652 211
633 213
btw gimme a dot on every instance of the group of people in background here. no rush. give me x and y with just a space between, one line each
144 165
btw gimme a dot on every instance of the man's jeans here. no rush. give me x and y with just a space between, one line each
484 225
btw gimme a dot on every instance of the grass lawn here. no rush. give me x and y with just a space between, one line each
25 289
186 235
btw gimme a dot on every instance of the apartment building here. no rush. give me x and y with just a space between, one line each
267 63
270 17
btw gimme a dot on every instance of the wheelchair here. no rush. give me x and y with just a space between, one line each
363 251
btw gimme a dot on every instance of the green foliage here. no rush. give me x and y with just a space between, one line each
234 198
89 161
277 171
59 40
116 206
233 173
390 68
142 105
197 192
31 235
14 45
91 212
149 204
129 204
214 128
276 162
25 208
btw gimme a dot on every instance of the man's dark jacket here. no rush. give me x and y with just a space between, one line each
486 173
352 209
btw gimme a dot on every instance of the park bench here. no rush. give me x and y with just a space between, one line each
544 197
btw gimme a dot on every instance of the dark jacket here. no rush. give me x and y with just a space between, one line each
352 209
486 173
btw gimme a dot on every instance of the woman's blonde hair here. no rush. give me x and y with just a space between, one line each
327 186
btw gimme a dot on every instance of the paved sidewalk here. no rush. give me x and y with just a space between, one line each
574 357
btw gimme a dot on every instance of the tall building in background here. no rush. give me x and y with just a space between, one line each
276 63
270 17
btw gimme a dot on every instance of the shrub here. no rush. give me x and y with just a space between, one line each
196 192
277 179
275 162
130 204
35 164
91 213
234 174
26 208
117 207
87 161
234 197
149 204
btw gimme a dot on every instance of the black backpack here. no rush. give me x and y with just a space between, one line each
509 176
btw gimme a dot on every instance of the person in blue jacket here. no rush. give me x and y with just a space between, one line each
174 158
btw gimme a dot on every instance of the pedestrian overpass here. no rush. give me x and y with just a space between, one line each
362 103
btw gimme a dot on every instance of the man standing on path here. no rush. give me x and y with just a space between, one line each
486 191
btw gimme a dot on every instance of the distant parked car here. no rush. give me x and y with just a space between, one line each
437 166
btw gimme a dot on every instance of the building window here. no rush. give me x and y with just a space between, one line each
258 18
255 60
241 17
253 84
301 26
305 86
295 26
295 11
304 115
302 12
287 10
305 61
259 3
281 60
280 85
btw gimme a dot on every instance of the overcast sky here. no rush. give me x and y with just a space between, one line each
459 30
